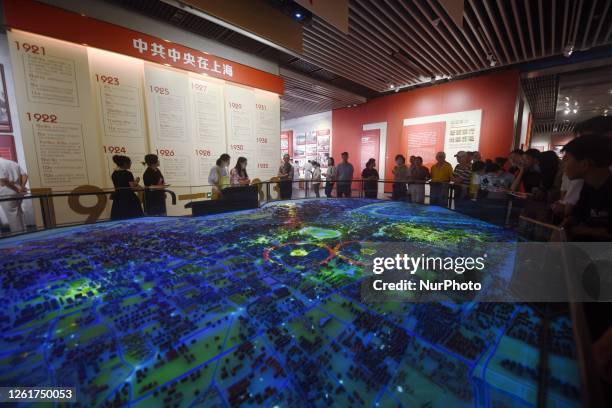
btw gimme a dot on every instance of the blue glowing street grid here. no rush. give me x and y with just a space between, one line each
263 308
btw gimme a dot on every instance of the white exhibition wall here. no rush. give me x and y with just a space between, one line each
79 106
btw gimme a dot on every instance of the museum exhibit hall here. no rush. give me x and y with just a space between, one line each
306 203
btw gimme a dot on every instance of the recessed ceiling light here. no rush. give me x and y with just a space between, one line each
575 111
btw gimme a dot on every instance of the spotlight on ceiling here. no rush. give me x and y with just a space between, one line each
391 86
568 50
575 111
492 60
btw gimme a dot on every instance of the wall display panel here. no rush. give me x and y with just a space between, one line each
267 129
424 140
370 147
170 122
286 143
209 141
458 131
313 145
240 120
117 83
57 121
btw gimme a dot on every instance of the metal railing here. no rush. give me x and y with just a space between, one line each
49 209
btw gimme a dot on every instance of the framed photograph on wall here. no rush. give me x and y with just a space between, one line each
7 147
5 112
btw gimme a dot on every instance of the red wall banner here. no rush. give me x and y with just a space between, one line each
43 19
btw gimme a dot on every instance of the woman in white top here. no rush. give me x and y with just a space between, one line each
219 176
296 179
330 177
316 178
12 184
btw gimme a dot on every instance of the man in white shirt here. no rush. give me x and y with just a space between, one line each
308 170
296 179
12 184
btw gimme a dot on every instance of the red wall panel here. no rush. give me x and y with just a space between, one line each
495 94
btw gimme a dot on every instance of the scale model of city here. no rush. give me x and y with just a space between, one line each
264 308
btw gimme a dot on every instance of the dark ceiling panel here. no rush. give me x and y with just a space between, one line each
395 44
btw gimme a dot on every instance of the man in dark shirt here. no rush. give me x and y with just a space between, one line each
589 157
528 176
285 174
344 175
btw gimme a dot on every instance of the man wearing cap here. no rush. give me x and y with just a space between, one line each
463 170
462 174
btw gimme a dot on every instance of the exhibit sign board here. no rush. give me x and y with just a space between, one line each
424 140
286 143
267 127
209 141
118 102
458 131
54 100
79 106
370 147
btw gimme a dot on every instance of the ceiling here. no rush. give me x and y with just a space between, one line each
561 96
584 94
396 44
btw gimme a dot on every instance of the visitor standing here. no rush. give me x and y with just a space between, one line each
285 174
316 178
419 175
296 179
218 178
528 176
12 185
308 167
344 173
462 174
238 175
125 202
370 177
441 173
153 179
330 177
401 175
